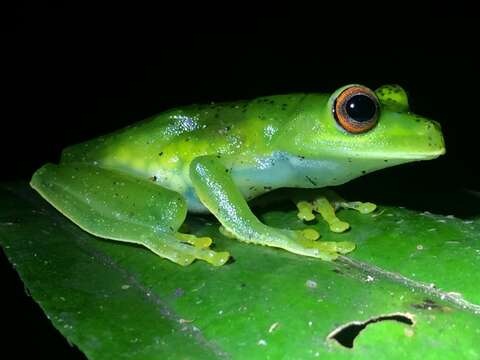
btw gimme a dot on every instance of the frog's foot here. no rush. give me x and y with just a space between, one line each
304 242
326 205
301 242
183 249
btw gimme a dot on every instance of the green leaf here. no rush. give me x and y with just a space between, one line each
410 288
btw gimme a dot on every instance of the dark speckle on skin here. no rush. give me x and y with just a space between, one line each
427 304
179 292
311 181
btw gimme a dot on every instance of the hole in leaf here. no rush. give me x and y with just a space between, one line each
346 334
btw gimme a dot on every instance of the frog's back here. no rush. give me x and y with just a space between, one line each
174 137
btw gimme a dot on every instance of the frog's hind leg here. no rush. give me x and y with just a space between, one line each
121 207
326 202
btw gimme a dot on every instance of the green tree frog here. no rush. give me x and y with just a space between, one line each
137 184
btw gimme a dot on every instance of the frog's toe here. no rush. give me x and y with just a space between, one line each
344 247
367 208
199 242
305 211
186 254
202 242
310 234
338 225
183 260
329 250
216 258
361 207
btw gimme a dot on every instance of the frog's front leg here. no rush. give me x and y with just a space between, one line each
218 192
326 202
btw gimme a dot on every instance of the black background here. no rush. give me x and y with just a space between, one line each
70 73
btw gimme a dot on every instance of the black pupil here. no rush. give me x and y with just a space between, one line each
360 108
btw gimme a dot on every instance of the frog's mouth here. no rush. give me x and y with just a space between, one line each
397 157
412 156
405 149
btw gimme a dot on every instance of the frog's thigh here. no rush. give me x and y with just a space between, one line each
120 207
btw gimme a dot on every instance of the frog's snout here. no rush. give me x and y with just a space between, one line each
436 141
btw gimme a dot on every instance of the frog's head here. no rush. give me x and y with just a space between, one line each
358 123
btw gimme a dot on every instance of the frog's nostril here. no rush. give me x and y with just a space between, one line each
436 124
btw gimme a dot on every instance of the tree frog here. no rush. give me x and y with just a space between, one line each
137 184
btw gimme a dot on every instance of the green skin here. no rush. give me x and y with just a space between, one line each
137 184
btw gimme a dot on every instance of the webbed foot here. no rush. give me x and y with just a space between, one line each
183 249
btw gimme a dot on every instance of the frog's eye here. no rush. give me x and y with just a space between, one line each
356 109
